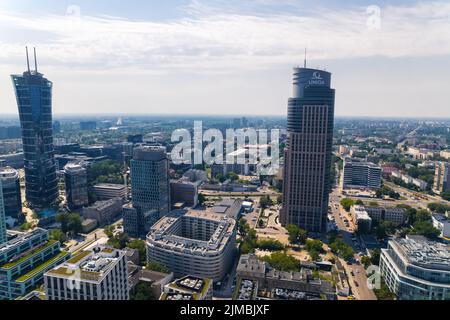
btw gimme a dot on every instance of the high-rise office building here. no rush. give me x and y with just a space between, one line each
361 174
150 190
308 150
76 181
34 100
3 236
11 192
442 178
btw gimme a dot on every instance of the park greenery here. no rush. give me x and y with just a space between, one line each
315 248
347 204
265 202
71 223
58 235
105 172
296 235
142 292
157 267
339 247
282 261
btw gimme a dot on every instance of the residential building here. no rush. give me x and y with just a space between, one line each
442 178
392 214
257 280
422 185
442 223
150 190
12 199
104 212
308 151
108 191
188 288
34 100
416 269
198 243
97 274
361 174
361 219
24 260
75 177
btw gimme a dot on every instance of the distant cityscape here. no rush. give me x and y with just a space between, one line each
95 208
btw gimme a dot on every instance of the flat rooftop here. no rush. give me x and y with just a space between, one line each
92 265
421 252
164 232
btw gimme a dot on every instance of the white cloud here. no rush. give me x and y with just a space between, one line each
211 41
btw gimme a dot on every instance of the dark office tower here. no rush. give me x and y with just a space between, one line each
11 192
150 190
34 100
308 150
76 181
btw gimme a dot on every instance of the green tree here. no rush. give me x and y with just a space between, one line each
270 245
347 204
140 246
143 292
201 199
157 267
265 202
283 262
58 235
296 234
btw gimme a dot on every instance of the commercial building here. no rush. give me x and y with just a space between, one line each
104 212
15 160
108 191
155 280
150 190
75 177
308 151
3 235
361 174
442 223
34 100
442 178
97 274
422 185
24 260
188 288
198 243
416 269
10 185
257 280
361 219
184 191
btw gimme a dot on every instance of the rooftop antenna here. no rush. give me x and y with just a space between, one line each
35 60
28 60
305 57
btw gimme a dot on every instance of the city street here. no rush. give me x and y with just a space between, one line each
355 272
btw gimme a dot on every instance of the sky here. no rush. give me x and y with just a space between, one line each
229 57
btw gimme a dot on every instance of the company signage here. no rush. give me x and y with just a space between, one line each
316 79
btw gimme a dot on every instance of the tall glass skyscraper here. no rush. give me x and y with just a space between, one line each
150 190
34 100
309 150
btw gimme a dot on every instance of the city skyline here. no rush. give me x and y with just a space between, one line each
182 47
